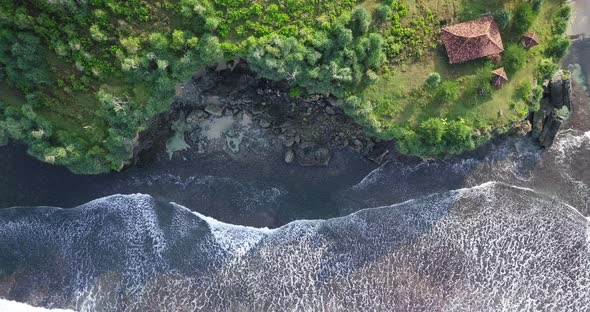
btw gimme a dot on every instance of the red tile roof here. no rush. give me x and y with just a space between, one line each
529 40
472 40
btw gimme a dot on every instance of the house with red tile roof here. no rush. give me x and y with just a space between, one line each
472 40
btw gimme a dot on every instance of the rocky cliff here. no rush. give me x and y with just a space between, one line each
547 121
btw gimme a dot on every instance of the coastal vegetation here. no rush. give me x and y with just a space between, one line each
80 79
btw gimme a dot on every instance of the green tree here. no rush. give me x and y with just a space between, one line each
503 18
546 69
360 20
515 58
178 40
557 47
97 34
24 60
524 17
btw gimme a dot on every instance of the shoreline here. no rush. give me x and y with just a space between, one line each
309 129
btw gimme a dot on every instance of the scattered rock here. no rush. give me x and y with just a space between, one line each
330 111
312 98
195 117
379 155
313 156
522 128
289 142
333 101
221 66
264 123
212 100
289 156
214 109
257 109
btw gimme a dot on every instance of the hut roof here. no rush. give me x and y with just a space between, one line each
472 40
499 77
529 40
500 72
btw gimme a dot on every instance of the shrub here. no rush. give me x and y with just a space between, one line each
530 95
557 47
382 13
431 131
515 58
433 80
447 92
546 69
536 5
523 18
478 88
435 137
503 18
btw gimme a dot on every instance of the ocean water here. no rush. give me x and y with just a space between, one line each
492 247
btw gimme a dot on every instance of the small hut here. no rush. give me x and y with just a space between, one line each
529 40
499 77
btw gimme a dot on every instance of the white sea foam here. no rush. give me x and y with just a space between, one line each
235 239
13 306
570 141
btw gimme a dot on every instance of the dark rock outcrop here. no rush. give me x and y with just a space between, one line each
560 90
550 128
546 121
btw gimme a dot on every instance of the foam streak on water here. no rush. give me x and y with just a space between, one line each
13 306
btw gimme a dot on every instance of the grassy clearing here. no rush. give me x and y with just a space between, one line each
401 101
